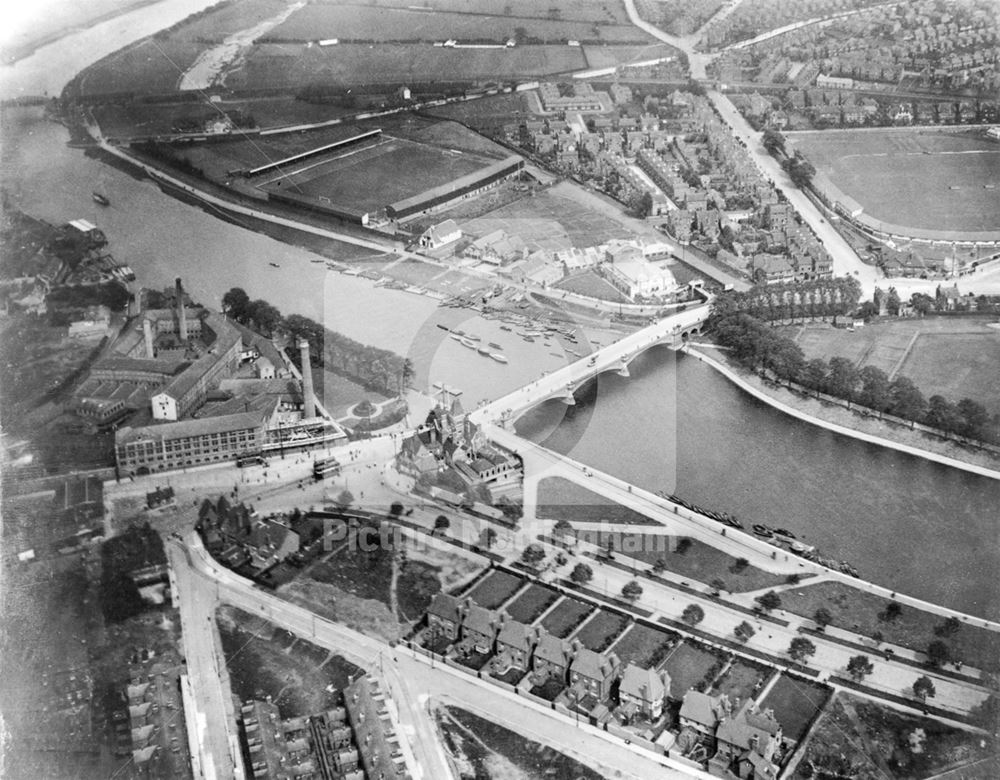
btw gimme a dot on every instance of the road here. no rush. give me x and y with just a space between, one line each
410 681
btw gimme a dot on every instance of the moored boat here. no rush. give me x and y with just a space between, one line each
99 198
498 357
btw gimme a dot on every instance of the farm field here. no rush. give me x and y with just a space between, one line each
293 66
355 22
952 356
857 610
598 632
795 703
372 178
566 616
687 666
527 607
573 10
851 720
924 180
643 646
495 588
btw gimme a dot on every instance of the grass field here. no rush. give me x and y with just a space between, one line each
795 703
914 179
856 610
740 681
687 666
952 356
572 10
643 646
598 632
350 22
561 621
527 607
495 588
592 284
292 66
850 721
374 177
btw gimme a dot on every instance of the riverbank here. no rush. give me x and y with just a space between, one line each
850 423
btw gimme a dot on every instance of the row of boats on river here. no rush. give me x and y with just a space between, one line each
491 350
779 537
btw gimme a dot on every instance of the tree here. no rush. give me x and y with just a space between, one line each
740 564
892 611
801 648
773 141
941 414
264 316
938 653
822 617
396 509
441 523
744 631
659 566
813 374
875 392
769 601
951 626
236 303
693 614
533 554
717 586
683 545
843 378
345 498
641 204
892 302
406 373
581 574
859 667
632 590
974 418
906 400
923 688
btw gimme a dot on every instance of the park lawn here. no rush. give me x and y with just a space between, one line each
856 610
688 665
566 616
527 607
598 632
741 680
795 703
643 646
850 721
495 588
592 284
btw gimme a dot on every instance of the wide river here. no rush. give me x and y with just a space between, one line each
675 425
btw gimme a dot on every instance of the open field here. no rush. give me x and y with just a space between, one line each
527 607
643 646
598 632
850 723
687 666
571 10
265 661
856 610
927 180
371 178
795 703
741 679
549 221
292 66
351 22
569 613
956 357
495 588
592 284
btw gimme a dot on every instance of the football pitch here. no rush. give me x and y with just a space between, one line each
912 179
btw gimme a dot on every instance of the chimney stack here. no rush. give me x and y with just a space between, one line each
308 399
147 332
182 327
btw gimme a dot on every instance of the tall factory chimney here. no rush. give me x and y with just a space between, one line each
147 332
182 326
308 399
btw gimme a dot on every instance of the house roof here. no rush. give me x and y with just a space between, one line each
445 607
516 634
479 619
744 726
593 665
186 428
645 684
551 649
269 533
700 708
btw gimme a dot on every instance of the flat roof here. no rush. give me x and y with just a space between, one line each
457 184
188 428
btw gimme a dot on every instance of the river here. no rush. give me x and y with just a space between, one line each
914 526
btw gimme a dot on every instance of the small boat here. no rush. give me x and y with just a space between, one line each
467 343
498 357
459 332
573 352
784 532
274 265
443 327
528 339
762 530
455 336
555 355
471 337
99 198
506 328
483 351
495 345
798 547
733 522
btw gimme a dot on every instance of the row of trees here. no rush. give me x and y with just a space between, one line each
379 369
821 298
760 348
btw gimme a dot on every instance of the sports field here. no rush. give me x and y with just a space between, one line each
371 178
956 357
908 178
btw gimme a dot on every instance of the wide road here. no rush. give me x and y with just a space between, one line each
412 682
